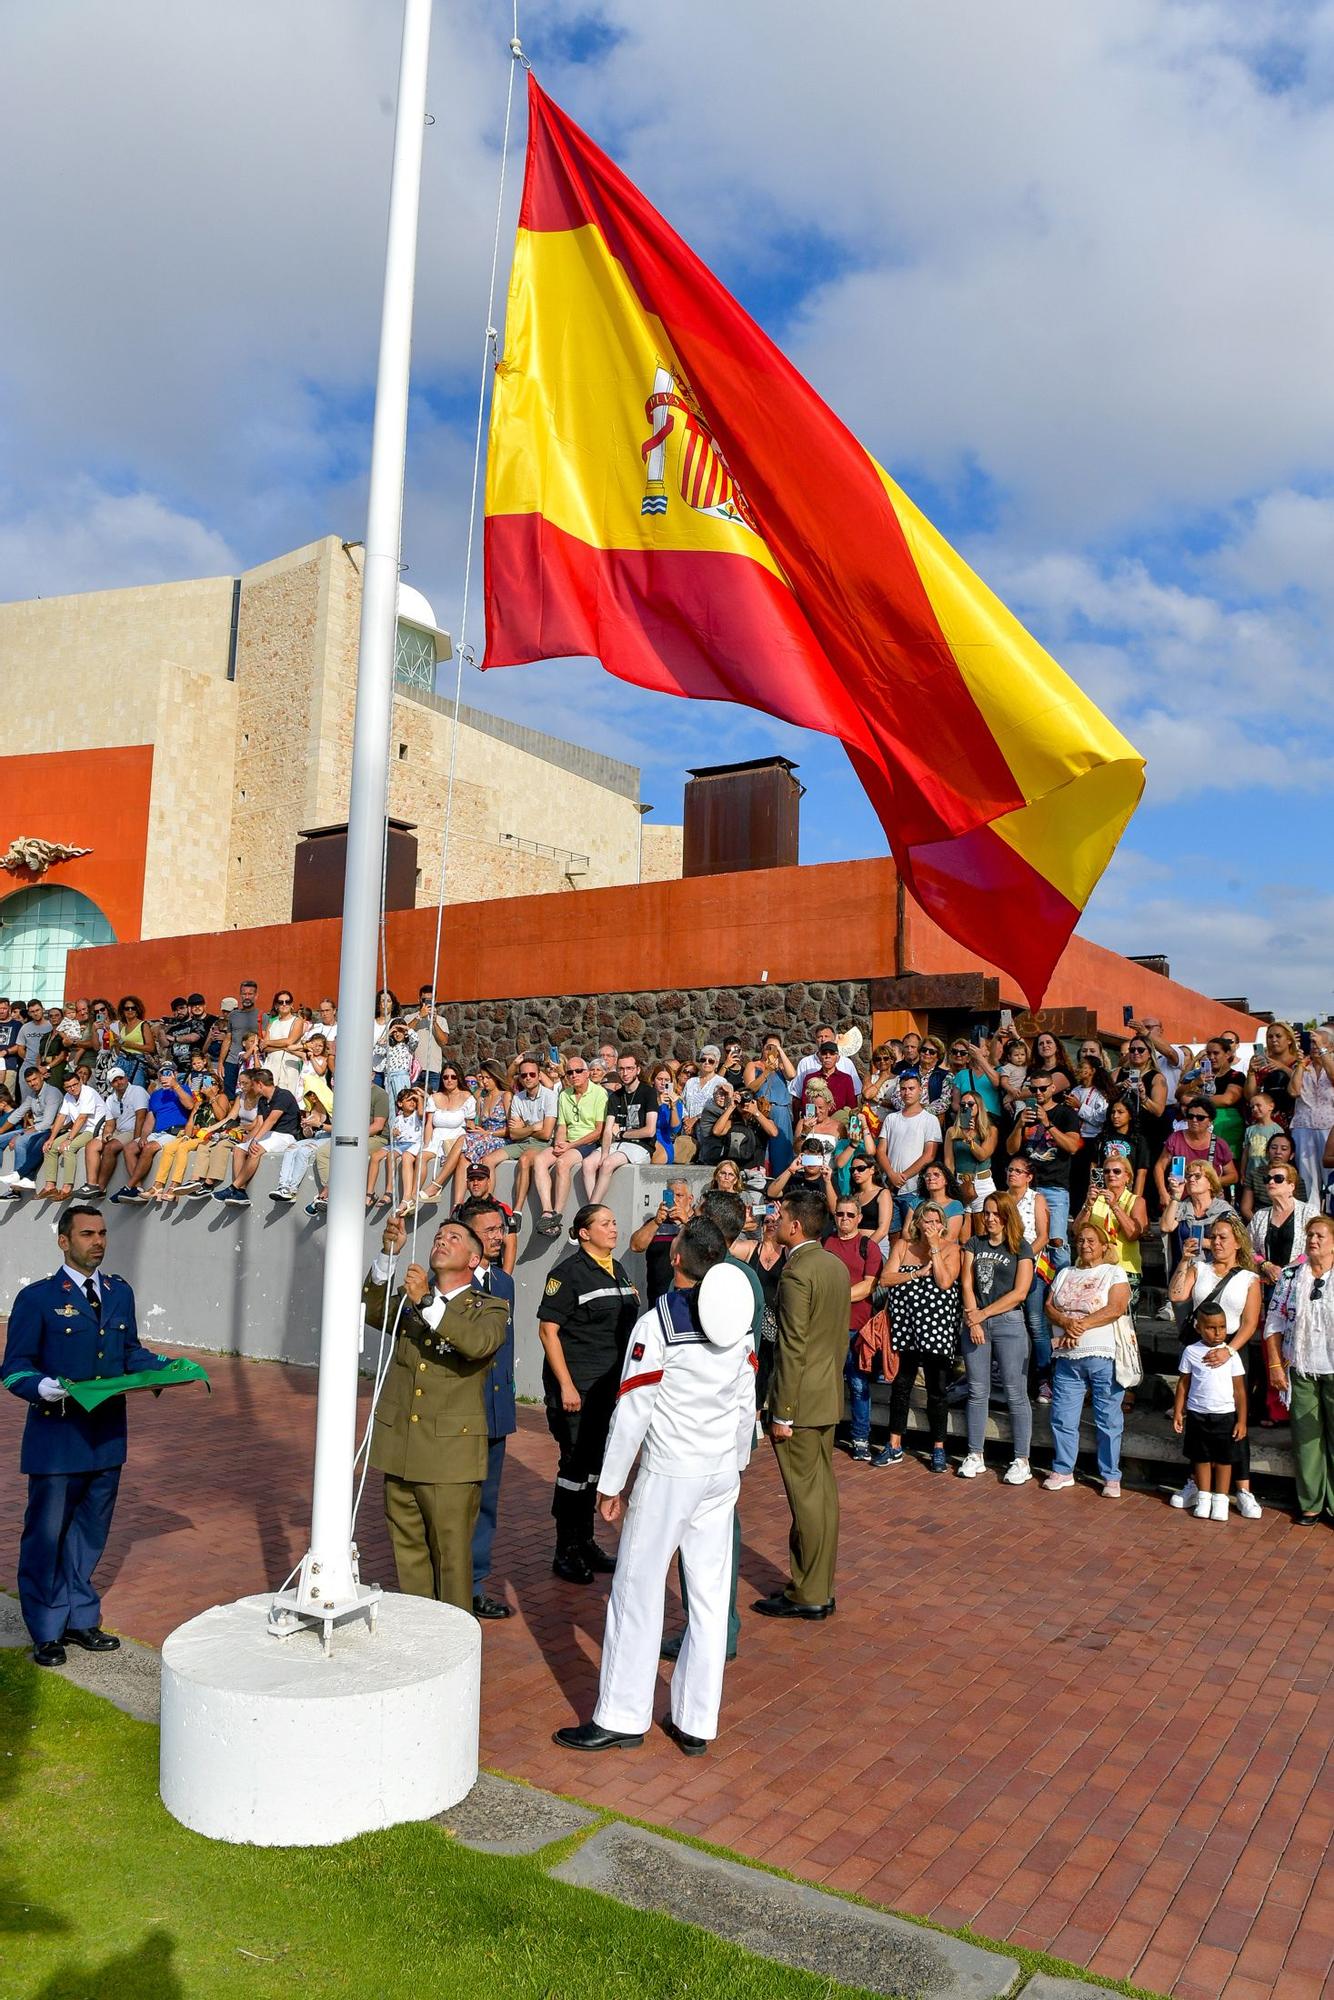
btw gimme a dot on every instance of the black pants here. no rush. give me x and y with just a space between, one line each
581 1438
936 1375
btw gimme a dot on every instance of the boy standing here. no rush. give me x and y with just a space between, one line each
1210 1408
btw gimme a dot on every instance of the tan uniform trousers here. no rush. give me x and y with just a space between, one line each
806 1467
430 1531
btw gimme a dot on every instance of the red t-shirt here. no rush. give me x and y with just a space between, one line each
840 1087
863 1260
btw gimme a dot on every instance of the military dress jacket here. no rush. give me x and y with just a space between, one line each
814 1317
54 1331
430 1423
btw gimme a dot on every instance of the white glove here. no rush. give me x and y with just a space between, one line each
50 1390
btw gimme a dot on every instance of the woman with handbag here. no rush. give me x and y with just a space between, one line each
863 1261
922 1280
1086 1300
970 1146
997 1274
1223 1272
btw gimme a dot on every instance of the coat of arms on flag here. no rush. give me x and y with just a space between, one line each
701 470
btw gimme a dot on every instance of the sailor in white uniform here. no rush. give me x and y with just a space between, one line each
686 1408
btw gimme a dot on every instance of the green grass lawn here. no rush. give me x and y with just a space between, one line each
104 1897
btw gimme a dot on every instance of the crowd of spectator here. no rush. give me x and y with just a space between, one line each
991 1198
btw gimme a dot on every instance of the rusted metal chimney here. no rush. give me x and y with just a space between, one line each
742 816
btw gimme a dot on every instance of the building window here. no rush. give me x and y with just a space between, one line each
414 659
39 928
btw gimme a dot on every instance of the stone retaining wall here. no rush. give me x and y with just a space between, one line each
659 1023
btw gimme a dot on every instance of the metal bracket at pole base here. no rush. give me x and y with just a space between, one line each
311 1603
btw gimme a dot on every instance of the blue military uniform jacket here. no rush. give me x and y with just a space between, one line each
501 1417
54 1331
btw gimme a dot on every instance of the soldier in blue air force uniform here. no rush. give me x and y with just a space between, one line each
80 1325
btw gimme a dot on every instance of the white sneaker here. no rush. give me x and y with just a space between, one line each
1204 1506
972 1465
1186 1495
1247 1505
1220 1506
1018 1473
1165 1312
19 1182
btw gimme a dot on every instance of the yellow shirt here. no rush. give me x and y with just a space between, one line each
1126 1253
582 1117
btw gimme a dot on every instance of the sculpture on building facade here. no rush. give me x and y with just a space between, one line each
31 855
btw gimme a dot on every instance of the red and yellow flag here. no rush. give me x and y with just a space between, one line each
666 493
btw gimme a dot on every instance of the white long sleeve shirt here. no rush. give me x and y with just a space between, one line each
687 1408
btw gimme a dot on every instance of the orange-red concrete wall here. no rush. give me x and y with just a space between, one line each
84 798
830 922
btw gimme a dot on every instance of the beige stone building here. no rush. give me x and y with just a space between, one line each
187 732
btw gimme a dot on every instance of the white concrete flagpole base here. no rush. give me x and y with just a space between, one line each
281 1745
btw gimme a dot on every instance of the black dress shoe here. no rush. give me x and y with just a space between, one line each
92 1638
597 1559
491 1607
670 1649
571 1567
689 1746
52 1654
591 1736
780 1606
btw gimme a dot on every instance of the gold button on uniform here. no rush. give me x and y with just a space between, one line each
414 1417
416 1392
421 1367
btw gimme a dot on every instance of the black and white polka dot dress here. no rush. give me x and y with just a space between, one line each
925 1320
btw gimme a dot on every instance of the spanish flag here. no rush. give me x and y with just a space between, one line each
667 494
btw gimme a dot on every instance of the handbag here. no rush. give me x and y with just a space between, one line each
873 1340
1126 1366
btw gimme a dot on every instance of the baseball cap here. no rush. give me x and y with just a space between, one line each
113 1073
194 1000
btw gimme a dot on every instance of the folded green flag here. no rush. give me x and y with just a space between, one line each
89 1394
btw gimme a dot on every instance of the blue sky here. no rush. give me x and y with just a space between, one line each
1069 273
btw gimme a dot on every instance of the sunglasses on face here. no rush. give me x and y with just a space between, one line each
577 1069
1276 1180
1197 1118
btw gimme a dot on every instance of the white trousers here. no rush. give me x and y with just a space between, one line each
693 1515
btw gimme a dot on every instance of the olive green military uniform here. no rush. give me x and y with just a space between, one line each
429 1438
806 1391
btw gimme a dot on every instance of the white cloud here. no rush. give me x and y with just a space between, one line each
1275 953
83 538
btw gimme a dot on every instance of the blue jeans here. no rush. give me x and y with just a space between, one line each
904 1204
1058 1210
859 1397
1071 1377
28 1153
1039 1329
1007 1341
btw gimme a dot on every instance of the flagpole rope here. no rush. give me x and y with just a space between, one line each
463 654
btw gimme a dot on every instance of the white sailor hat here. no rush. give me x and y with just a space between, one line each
726 1305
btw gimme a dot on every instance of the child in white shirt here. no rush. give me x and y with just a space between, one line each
1210 1408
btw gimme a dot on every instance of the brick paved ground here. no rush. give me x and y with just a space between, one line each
1098 1729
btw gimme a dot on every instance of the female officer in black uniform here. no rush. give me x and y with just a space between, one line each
588 1308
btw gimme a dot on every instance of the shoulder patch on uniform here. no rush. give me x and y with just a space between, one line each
550 1289
637 1351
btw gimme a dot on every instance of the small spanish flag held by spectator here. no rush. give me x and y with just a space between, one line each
667 494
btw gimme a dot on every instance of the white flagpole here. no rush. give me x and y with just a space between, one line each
328 1586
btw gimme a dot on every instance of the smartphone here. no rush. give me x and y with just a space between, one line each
977 1034
1304 1041
1097 1180
669 1197
553 1052
770 1210
1127 1016
1006 1020
1177 1170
